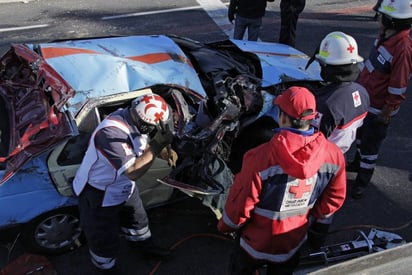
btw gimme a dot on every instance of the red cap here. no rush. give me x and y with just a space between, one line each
297 102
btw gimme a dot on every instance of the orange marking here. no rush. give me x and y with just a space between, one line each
151 58
58 52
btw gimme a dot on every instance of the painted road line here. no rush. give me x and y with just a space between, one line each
24 28
218 12
15 1
148 13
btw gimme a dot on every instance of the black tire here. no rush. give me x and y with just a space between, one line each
54 232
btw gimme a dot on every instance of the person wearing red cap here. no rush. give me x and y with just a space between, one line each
282 183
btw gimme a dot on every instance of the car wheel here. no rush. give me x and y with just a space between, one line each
54 232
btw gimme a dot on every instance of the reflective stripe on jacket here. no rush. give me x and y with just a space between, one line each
280 184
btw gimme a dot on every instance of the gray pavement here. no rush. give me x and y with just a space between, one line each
191 228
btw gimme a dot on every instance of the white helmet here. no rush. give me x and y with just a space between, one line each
148 110
397 9
338 48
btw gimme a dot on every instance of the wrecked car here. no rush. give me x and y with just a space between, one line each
53 95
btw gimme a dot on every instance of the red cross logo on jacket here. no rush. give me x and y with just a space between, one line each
300 189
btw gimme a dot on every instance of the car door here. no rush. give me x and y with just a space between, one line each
32 103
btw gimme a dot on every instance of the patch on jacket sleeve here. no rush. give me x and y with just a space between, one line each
356 99
127 149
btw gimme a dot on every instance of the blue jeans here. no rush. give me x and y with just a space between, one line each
251 24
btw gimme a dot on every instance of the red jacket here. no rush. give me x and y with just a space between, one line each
280 184
387 72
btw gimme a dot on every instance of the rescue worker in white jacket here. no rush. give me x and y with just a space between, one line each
120 151
342 104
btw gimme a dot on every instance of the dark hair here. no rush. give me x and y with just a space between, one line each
339 73
396 24
297 123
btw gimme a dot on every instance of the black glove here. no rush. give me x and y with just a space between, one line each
161 139
317 235
231 12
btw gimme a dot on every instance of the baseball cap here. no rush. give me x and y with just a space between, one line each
297 102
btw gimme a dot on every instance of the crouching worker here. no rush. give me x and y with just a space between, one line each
121 150
298 173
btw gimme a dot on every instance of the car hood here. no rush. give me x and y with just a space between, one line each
280 63
104 66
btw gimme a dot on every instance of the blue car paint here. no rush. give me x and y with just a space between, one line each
106 66
280 63
29 193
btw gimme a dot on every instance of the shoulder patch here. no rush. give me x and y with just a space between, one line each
356 99
127 149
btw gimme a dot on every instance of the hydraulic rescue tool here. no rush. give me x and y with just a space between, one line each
363 244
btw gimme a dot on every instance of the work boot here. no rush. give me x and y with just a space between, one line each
362 181
357 191
150 250
317 235
353 166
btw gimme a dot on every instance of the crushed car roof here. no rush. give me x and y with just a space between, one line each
104 66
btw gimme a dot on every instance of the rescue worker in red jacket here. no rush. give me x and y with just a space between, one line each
385 76
121 150
282 183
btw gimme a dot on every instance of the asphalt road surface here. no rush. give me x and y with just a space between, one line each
189 228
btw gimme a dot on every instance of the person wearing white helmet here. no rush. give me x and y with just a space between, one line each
385 76
342 104
121 150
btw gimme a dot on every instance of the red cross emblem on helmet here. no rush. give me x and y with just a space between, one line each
350 48
151 108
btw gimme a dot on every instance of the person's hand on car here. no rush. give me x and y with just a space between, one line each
231 12
169 155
